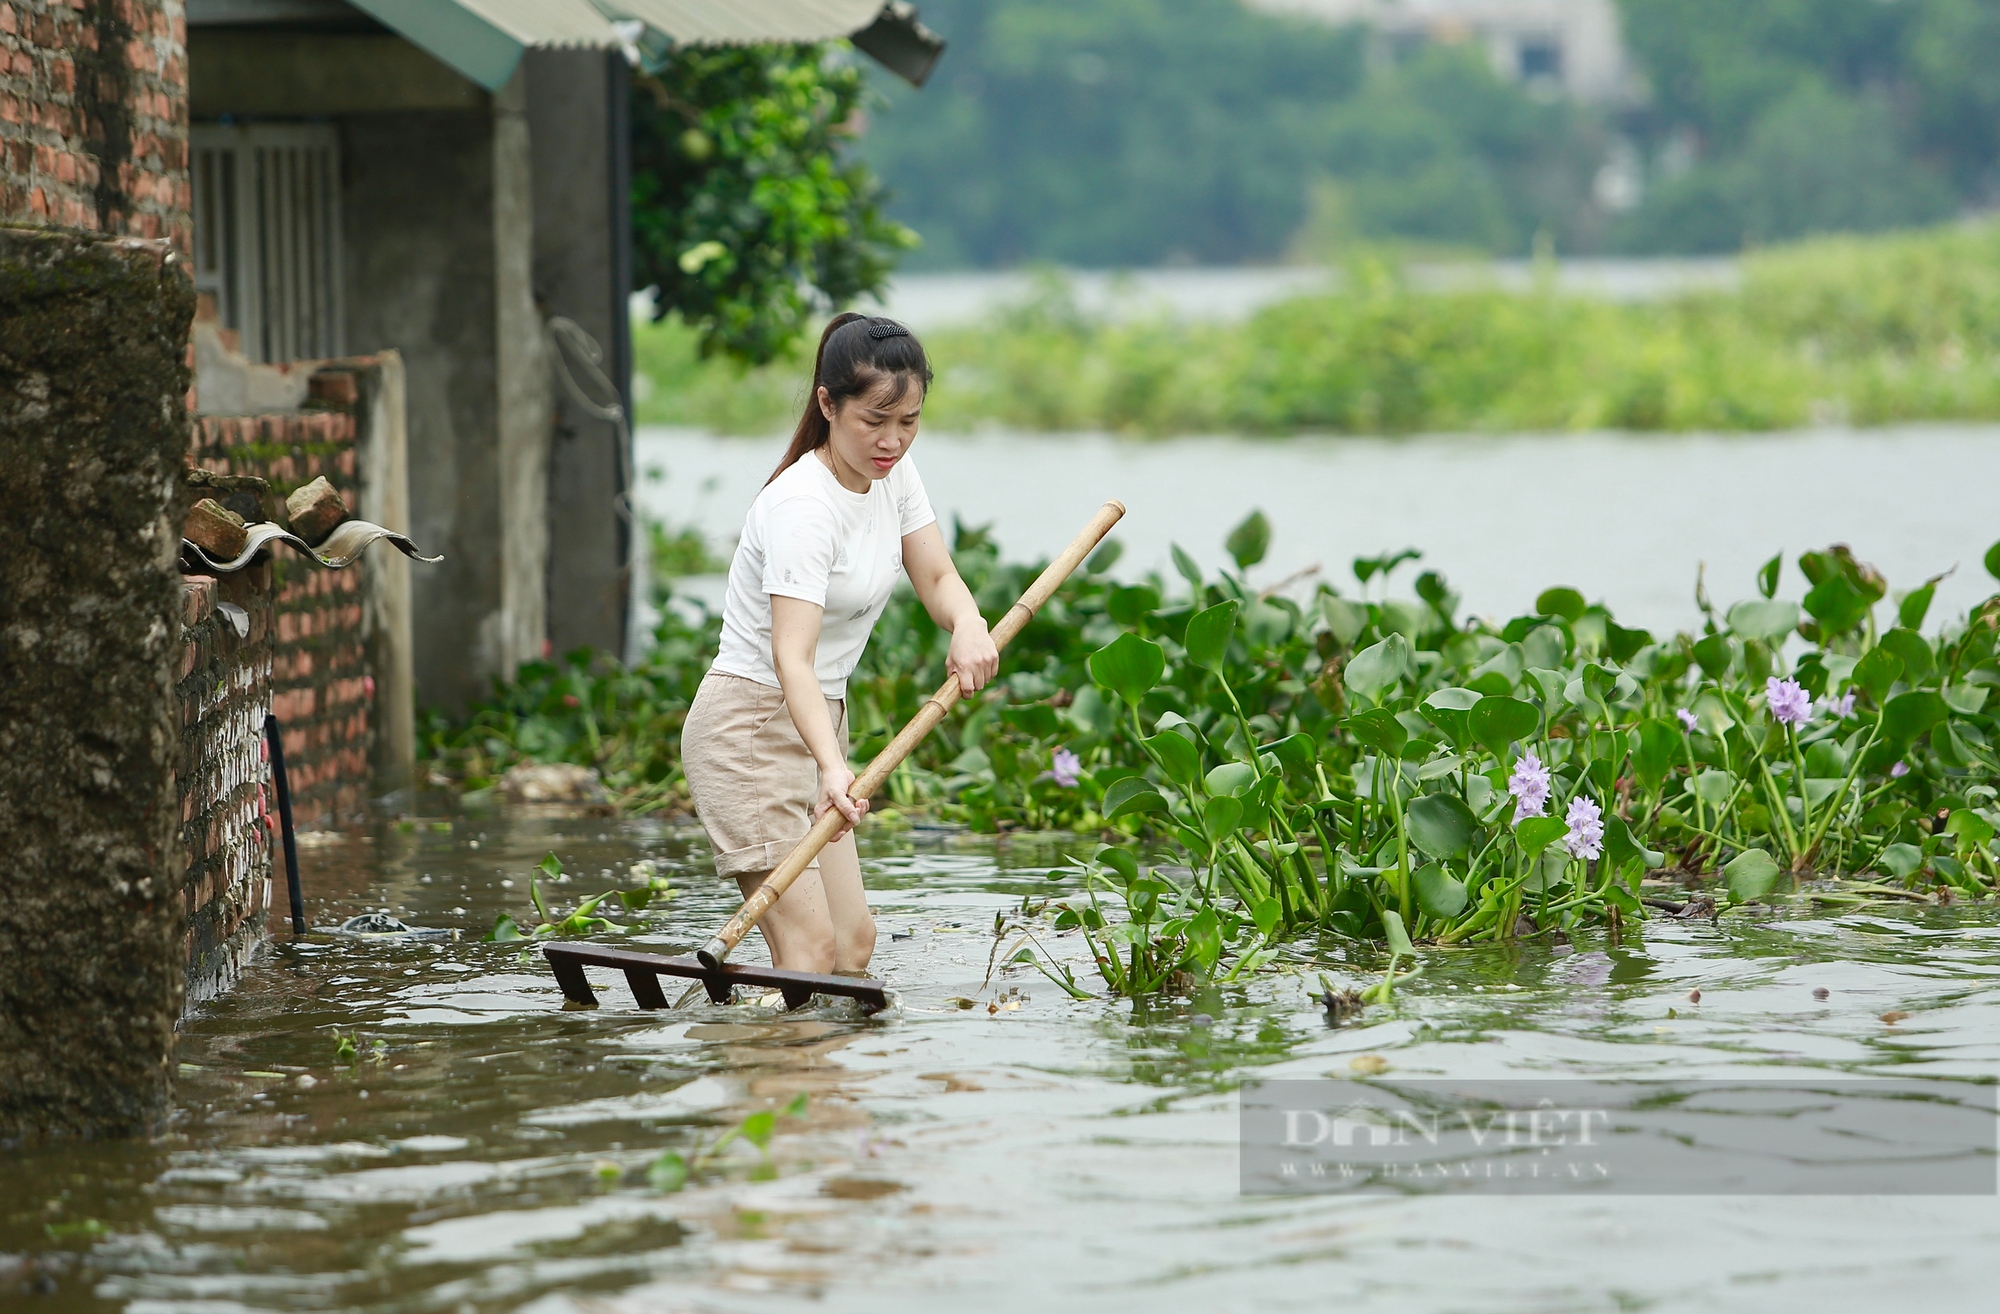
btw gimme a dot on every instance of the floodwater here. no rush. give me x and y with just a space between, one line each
487 1148
942 300
1235 292
1625 518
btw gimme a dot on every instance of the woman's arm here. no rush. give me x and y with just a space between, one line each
973 658
794 642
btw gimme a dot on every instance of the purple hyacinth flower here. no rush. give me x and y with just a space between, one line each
1586 828
1688 723
1838 708
1065 767
1530 787
1898 771
1788 701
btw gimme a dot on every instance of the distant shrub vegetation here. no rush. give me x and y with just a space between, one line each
1862 330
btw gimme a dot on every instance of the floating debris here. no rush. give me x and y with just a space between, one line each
1340 1004
554 782
381 926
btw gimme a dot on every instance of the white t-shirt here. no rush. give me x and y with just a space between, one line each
808 537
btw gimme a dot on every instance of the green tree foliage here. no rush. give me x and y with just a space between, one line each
1116 132
1134 132
1439 149
746 213
1812 116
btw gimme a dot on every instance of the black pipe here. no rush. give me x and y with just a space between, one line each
274 736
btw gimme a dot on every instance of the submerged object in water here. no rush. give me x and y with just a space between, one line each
381 926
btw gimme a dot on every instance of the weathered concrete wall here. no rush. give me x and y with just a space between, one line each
578 126
227 811
434 274
93 382
93 115
295 75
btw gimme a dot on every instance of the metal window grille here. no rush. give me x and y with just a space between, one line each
267 236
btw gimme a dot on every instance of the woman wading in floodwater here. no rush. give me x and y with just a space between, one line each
765 744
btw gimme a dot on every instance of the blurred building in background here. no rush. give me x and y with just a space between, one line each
1567 45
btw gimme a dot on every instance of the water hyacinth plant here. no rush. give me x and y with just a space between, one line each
1258 767
1356 764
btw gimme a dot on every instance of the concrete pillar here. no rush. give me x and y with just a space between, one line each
520 628
579 132
93 388
437 230
383 477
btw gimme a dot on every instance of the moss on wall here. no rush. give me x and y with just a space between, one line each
93 385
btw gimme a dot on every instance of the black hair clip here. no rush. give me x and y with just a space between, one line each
886 328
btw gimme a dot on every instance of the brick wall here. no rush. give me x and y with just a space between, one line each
94 115
228 812
322 682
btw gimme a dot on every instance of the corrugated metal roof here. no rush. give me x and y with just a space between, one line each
546 22
733 22
483 39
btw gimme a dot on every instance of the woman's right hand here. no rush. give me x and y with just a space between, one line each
834 782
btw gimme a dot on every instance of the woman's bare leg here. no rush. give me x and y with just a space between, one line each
798 928
847 905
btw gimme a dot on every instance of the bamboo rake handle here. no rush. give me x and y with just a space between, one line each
939 703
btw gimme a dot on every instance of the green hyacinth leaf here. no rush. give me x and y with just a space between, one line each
1176 756
1763 619
1439 893
1129 666
1767 576
1130 795
1916 655
1374 669
1836 604
1564 602
1656 745
1498 720
1750 875
1907 717
1441 825
1877 670
1208 635
1249 541
1379 729
1535 834
1344 620
1188 570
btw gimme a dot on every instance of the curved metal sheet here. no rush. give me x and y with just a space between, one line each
341 549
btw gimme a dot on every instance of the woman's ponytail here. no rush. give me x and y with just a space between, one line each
856 353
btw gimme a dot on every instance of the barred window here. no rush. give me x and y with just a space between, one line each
267 235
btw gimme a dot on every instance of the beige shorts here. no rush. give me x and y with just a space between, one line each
752 777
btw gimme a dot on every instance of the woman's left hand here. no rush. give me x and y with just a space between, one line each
973 658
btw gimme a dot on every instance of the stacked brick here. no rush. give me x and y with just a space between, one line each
227 807
94 116
322 685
